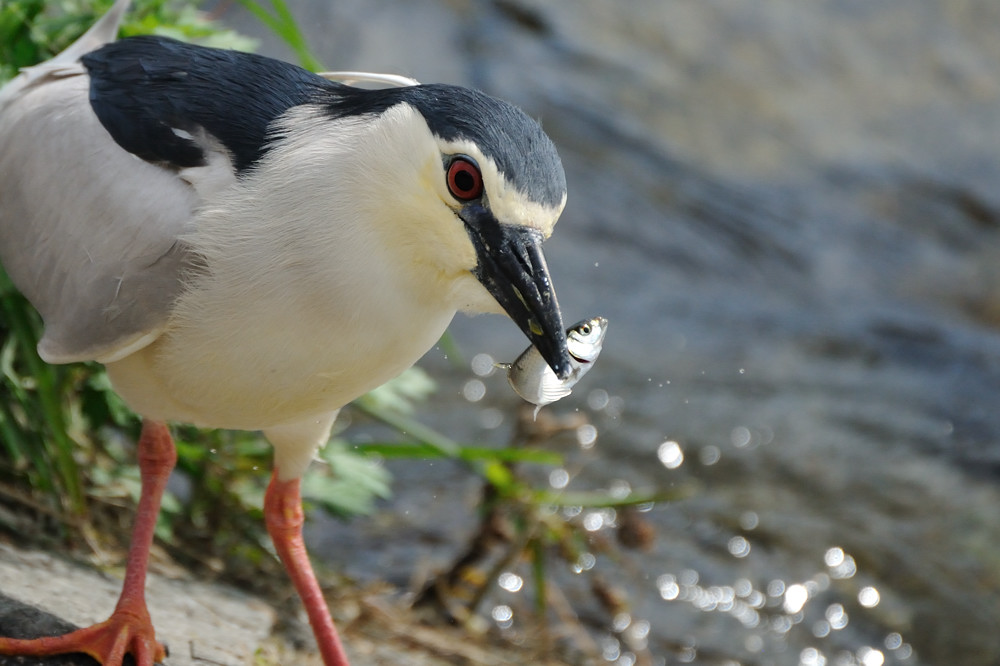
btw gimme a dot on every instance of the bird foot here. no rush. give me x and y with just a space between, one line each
127 631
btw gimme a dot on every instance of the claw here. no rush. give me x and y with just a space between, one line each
127 631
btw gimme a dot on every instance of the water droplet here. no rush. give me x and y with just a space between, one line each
812 657
689 577
586 435
709 455
616 405
503 616
474 390
743 587
558 478
821 629
619 489
749 520
639 630
621 621
836 616
845 570
593 521
740 437
795 598
598 399
668 587
627 659
868 597
611 649
483 365
747 616
510 582
490 418
738 546
670 454
781 624
869 656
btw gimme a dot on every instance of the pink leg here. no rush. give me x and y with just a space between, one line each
284 518
129 630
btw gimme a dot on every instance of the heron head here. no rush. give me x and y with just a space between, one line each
475 187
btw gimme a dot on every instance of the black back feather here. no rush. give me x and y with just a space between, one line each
142 88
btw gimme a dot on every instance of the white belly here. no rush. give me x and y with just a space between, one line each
272 362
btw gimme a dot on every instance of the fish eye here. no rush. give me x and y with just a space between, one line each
585 329
465 180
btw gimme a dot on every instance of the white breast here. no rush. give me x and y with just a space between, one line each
312 295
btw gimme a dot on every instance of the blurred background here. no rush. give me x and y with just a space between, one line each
788 212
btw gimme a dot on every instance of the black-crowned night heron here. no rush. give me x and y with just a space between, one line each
248 245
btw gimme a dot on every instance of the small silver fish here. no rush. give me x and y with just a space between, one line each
532 378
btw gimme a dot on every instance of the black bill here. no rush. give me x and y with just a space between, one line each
512 267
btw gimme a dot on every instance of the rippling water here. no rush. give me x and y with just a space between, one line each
788 212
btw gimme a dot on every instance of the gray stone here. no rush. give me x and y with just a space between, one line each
200 623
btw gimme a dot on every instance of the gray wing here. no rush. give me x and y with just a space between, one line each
88 231
105 158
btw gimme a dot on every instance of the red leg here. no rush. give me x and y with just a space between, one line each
129 630
284 518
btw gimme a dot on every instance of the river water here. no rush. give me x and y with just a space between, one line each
788 213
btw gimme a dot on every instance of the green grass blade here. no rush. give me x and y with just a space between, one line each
467 453
410 427
282 23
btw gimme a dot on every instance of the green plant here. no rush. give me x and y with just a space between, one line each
34 30
282 23
34 425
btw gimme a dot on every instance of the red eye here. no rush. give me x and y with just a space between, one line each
465 182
